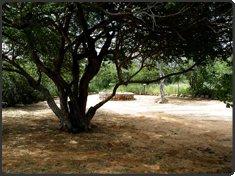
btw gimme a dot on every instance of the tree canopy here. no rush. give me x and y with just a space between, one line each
68 41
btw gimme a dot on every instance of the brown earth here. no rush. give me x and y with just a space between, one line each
139 136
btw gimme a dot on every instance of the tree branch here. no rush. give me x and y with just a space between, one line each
106 45
92 110
12 70
53 75
85 29
12 39
164 77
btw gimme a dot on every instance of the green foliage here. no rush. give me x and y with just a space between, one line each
214 80
105 79
16 90
184 88
223 89
169 5
145 74
136 88
181 88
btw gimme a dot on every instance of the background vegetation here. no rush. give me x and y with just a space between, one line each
209 80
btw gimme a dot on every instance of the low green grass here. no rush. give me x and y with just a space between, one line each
181 88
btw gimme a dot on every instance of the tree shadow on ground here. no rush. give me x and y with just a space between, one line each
118 144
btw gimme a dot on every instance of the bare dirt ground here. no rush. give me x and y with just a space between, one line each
139 136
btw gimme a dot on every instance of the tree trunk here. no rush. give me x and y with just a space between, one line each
64 120
163 100
77 115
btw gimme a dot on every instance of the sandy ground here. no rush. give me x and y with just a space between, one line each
139 136
184 107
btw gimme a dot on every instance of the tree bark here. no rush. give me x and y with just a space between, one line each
163 100
76 107
64 120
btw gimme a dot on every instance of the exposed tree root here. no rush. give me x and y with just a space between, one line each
161 101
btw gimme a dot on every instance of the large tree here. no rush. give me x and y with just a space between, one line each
68 41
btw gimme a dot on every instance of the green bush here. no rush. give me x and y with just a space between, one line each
104 79
15 90
182 88
136 88
214 80
93 88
